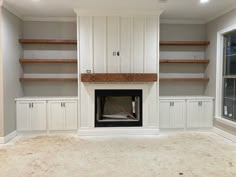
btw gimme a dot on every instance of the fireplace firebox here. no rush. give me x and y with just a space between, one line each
118 108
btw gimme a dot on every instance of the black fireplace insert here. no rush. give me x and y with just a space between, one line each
118 108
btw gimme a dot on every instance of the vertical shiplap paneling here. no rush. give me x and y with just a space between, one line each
138 45
99 44
151 32
125 44
112 44
85 44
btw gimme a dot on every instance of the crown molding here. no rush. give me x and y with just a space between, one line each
12 10
181 21
118 12
50 19
221 13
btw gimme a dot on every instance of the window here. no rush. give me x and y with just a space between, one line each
229 77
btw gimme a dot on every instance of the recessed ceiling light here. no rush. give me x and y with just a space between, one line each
204 1
35 0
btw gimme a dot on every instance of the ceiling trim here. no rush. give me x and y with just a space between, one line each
221 13
12 10
181 21
117 12
50 19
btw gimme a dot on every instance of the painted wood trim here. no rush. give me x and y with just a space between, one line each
194 43
28 60
138 77
47 79
200 61
46 41
184 79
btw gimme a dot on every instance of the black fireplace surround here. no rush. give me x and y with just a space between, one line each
118 108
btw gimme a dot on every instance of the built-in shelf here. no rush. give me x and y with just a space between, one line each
47 79
117 77
46 41
199 61
193 43
26 60
184 79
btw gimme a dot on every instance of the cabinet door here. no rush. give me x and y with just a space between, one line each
165 114
23 116
56 115
177 114
194 112
206 119
70 115
38 115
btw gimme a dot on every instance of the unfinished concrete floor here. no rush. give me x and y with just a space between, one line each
181 154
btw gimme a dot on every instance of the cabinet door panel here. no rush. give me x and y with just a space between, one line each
177 113
23 116
125 44
71 115
38 116
206 120
56 116
165 114
99 32
113 27
193 114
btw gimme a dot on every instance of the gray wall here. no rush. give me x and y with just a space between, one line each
213 27
1 81
182 32
50 30
12 51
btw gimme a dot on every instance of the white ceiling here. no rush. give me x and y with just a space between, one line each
188 10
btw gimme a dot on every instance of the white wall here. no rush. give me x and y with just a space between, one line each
11 52
213 27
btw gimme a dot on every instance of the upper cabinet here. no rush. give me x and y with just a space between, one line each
118 44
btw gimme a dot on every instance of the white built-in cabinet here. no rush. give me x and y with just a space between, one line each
118 44
31 115
62 115
172 113
186 112
39 114
199 113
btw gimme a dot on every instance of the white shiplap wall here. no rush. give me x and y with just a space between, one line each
136 38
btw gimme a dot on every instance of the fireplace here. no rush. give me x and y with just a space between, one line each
118 108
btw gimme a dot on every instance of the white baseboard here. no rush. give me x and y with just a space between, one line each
224 134
7 138
117 132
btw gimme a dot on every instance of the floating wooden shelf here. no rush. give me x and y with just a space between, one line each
184 61
184 79
115 77
194 43
48 79
46 41
24 60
